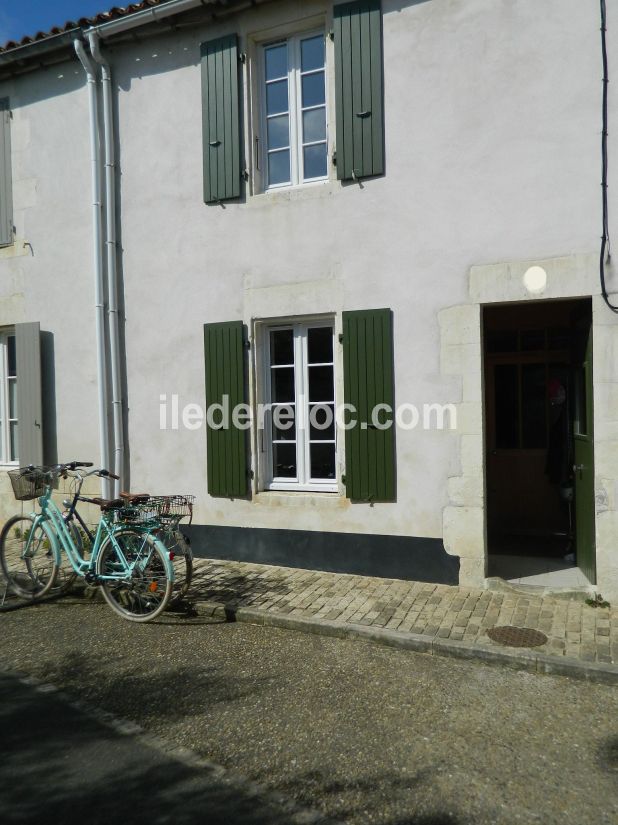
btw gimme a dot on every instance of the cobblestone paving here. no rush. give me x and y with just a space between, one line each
574 629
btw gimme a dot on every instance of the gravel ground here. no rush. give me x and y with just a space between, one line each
363 733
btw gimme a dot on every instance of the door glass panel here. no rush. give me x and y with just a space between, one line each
506 381
533 406
580 412
322 461
322 422
282 346
321 385
282 379
320 345
12 356
284 460
12 398
13 426
284 415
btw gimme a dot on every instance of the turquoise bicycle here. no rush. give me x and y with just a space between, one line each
129 563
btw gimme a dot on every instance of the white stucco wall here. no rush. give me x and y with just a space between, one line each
492 124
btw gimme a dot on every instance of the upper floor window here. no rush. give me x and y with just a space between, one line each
6 195
294 111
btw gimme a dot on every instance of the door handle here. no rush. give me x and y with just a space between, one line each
577 467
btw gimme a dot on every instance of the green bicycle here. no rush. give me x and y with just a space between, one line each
128 562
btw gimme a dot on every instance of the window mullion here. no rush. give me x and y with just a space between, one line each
299 373
293 46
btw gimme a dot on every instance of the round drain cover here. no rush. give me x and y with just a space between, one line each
516 636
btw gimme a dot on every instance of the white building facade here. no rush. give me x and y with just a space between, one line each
379 204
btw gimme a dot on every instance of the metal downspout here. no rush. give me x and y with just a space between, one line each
111 262
99 300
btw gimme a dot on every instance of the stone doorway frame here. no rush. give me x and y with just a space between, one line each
461 356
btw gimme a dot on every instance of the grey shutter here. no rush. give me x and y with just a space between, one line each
227 454
221 119
29 407
359 95
370 473
6 186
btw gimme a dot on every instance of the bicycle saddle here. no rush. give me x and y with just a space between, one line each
135 498
108 503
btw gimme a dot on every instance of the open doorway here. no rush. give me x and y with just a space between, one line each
539 442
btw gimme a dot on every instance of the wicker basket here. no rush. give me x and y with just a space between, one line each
28 483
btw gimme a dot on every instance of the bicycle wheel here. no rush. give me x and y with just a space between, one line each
145 593
27 557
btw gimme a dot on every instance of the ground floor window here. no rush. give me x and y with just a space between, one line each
299 434
8 398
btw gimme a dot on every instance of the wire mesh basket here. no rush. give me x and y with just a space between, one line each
28 483
159 508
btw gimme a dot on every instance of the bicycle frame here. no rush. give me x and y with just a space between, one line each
61 539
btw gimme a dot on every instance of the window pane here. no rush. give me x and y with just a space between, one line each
322 460
279 167
532 339
13 426
501 340
322 422
320 345
13 399
12 358
284 416
277 97
321 384
558 338
284 460
276 61
533 406
282 384
312 53
314 161
313 89
314 125
282 346
507 406
278 132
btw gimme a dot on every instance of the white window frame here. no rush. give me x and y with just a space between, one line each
5 380
295 110
303 481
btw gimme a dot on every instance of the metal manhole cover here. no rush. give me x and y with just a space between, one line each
516 636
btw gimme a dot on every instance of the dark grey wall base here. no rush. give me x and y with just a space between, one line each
391 557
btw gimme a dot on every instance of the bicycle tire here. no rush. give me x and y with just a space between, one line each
146 594
33 575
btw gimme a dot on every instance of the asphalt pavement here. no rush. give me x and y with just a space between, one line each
361 733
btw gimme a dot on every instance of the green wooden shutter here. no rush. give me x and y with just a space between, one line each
221 118
368 381
227 454
6 193
29 403
359 95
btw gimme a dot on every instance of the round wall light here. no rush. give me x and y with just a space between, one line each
535 279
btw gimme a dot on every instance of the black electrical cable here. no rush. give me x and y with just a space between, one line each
605 241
